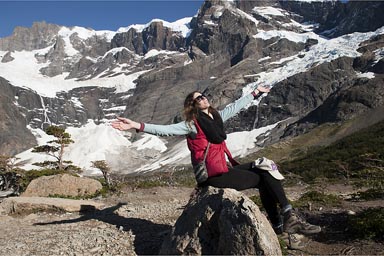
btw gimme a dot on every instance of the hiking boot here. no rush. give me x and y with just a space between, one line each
293 241
279 229
295 224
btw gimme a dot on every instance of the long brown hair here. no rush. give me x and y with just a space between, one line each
190 110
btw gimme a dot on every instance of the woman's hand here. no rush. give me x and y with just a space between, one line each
124 124
262 89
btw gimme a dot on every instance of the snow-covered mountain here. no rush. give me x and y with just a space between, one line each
323 66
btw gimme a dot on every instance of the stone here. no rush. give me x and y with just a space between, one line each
63 185
26 205
7 58
221 221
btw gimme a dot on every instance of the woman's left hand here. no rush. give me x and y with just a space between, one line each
262 89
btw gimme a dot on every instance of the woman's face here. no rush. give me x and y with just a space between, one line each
200 101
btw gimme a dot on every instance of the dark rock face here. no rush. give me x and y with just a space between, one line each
297 95
56 56
20 107
78 67
226 32
94 46
378 67
367 61
7 57
221 222
40 36
155 36
359 16
349 102
15 137
73 108
337 18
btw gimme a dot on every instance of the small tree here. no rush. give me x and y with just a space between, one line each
104 168
55 148
8 163
9 173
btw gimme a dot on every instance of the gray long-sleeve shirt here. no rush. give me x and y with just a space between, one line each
184 128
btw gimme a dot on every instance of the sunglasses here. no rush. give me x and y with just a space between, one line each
200 98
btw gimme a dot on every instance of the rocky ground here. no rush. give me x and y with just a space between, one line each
136 221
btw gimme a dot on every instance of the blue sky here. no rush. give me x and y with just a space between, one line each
99 15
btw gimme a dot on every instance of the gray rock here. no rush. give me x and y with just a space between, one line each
62 184
24 205
7 57
56 57
39 36
221 221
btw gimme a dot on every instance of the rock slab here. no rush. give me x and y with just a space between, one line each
221 222
26 205
63 185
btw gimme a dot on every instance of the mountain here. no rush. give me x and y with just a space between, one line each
323 60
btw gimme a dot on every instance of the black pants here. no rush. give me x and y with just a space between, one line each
243 177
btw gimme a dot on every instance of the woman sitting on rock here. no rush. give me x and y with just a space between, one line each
205 133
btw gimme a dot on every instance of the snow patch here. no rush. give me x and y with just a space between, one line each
181 25
369 75
150 142
239 143
289 35
325 51
155 52
92 143
116 50
268 11
24 72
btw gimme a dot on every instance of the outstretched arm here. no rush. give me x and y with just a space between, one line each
181 128
234 108
124 124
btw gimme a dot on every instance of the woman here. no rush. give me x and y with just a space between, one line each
204 129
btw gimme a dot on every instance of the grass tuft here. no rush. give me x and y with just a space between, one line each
368 224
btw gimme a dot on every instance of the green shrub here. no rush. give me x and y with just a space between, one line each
368 224
359 155
369 194
257 200
283 246
183 176
317 198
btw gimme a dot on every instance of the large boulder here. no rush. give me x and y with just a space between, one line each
221 222
63 185
27 205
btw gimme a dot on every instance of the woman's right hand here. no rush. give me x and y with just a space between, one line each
124 124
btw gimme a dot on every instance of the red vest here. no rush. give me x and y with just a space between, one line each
215 161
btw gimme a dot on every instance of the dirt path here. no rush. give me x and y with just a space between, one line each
135 222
